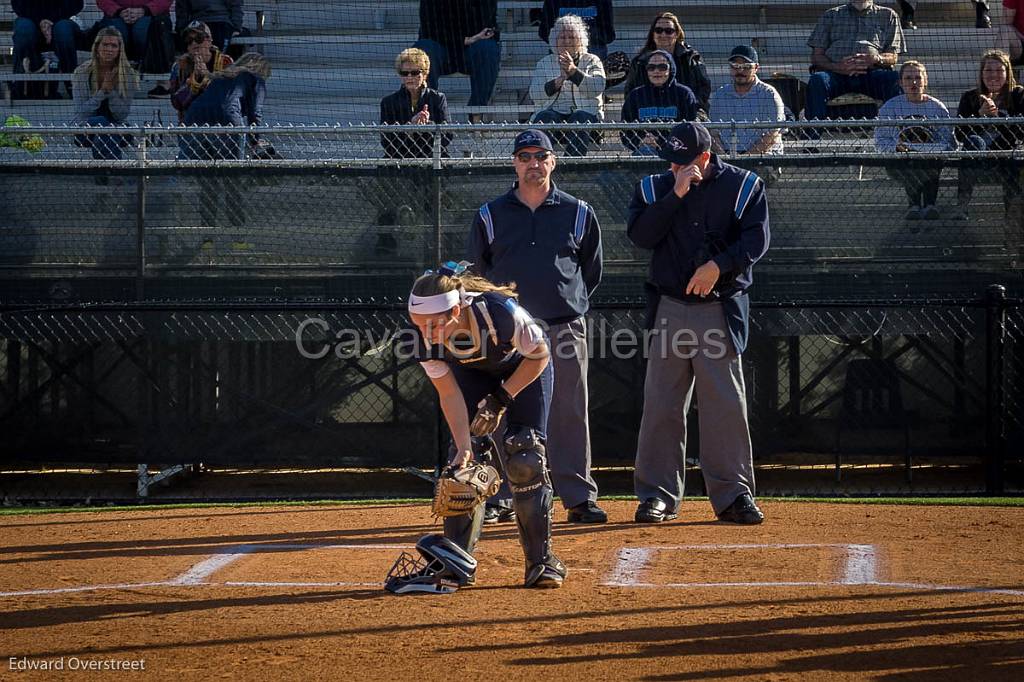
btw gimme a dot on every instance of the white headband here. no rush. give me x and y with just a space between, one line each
438 303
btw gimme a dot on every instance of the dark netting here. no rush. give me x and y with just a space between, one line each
843 399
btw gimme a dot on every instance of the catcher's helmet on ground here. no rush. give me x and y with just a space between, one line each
442 568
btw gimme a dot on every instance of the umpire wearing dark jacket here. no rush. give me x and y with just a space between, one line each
706 222
549 244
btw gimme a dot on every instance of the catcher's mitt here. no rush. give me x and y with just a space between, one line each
459 491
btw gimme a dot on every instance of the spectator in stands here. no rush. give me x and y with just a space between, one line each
223 17
413 104
461 36
666 33
662 100
567 85
909 7
1011 33
191 73
234 97
747 98
132 18
598 15
103 89
44 25
854 49
920 178
997 96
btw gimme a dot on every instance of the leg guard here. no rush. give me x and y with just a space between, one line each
464 530
526 467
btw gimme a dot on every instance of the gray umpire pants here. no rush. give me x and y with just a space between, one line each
568 444
691 348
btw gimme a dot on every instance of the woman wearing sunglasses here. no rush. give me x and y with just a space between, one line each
488 358
666 33
413 104
190 74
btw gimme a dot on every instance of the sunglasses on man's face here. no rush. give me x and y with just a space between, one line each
665 31
526 157
657 67
743 68
406 74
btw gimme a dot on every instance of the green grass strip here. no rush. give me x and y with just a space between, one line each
906 501
20 511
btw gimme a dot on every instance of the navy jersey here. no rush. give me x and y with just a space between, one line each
507 332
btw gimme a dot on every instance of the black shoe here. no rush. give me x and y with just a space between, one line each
547 574
588 512
159 92
743 510
495 514
653 511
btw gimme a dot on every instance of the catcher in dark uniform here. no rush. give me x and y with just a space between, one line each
487 358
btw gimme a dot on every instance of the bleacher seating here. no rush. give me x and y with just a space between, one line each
332 59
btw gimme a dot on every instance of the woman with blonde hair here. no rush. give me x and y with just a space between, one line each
103 91
997 96
487 358
568 84
414 103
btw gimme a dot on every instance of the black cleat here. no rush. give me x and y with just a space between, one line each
743 510
494 514
549 574
588 512
653 511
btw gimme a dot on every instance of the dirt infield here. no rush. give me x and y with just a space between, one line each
819 591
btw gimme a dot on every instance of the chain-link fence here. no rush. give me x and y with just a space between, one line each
151 303
327 201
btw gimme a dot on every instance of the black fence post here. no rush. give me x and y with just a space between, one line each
140 221
437 191
995 398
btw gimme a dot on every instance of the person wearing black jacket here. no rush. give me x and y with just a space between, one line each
461 36
549 243
706 223
414 103
997 96
666 33
661 100
598 15
42 25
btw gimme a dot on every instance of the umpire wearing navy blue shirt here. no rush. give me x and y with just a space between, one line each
706 222
549 243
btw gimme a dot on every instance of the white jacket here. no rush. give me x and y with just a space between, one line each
586 96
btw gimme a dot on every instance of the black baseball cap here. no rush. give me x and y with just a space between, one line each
533 138
685 143
745 53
